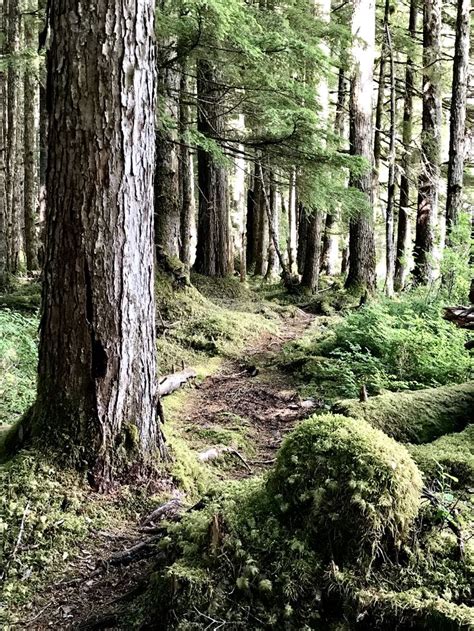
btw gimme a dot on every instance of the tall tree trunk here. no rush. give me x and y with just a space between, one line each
96 398
458 117
428 182
389 218
406 171
379 108
30 143
3 190
186 174
303 225
362 274
329 238
167 199
12 145
250 227
213 256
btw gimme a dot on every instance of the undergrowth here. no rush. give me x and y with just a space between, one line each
398 344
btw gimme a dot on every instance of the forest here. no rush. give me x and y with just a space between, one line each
236 315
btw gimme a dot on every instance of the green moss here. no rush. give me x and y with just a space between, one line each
452 454
354 488
417 417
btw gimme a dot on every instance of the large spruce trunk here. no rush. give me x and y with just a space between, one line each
96 398
458 116
213 257
428 181
406 163
361 274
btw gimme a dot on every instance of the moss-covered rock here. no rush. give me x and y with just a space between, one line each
347 484
416 417
452 454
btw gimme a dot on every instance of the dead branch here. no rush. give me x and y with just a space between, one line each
169 383
167 509
217 452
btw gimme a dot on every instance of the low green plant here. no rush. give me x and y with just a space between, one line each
18 357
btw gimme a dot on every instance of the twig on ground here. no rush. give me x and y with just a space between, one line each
216 452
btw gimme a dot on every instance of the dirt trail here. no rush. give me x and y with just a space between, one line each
268 406
266 403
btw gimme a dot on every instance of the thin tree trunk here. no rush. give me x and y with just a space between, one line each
30 144
303 225
273 267
250 226
379 109
96 398
362 276
213 256
13 170
292 229
406 171
428 182
389 219
167 185
186 174
261 226
458 117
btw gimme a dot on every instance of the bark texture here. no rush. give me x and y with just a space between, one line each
428 182
311 269
96 399
213 256
458 116
361 274
389 218
406 162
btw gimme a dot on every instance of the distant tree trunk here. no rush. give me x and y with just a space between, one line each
261 235
186 174
406 171
30 135
273 267
303 226
167 198
389 219
213 257
362 276
379 108
96 398
458 117
3 191
344 260
250 226
428 182
329 238
292 231
12 144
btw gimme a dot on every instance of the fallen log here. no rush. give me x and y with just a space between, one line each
168 509
463 317
169 383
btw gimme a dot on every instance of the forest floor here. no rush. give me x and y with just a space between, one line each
251 405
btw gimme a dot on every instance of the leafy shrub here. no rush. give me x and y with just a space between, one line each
353 489
392 344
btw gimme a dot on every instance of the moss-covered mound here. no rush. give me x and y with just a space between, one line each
416 417
354 488
452 454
